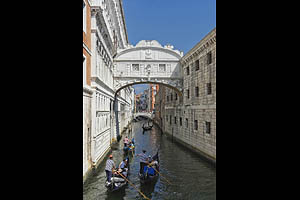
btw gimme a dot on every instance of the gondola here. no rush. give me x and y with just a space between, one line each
150 174
147 128
117 181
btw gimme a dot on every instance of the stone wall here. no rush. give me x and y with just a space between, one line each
192 122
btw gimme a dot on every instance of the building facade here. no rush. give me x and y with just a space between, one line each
105 112
87 91
191 120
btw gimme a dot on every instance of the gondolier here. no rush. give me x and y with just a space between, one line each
110 166
143 160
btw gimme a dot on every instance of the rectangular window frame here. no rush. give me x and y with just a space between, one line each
207 127
209 58
135 67
161 67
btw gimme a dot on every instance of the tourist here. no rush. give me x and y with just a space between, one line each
110 166
126 141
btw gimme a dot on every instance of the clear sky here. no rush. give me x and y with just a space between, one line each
182 23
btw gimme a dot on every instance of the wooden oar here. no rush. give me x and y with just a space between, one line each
161 175
133 186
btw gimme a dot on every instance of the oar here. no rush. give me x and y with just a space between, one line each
133 186
161 175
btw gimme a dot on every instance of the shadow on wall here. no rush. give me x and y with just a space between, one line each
116 110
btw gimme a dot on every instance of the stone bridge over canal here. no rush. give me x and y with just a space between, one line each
148 62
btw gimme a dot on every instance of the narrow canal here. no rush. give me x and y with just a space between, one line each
191 177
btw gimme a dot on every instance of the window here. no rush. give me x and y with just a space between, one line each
188 93
186 123
207 127
84 17
197 91
162 67
171 97
208 85
166 117
170 119
175 96
135 67
175 120
84 71
196 124
167 98
196 65
209 58
180 121
187 70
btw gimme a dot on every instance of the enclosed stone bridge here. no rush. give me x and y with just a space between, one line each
148 62
143 114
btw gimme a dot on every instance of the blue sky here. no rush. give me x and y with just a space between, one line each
180 23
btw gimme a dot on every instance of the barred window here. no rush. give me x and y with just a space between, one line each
197 91
207 127
187 70
135 67
162 67
196 65
196 124
208 85
209 58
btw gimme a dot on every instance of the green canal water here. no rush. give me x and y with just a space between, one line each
191 177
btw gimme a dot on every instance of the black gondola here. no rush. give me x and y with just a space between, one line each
117 181
147 128
150 173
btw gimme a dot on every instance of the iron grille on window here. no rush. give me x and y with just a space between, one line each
208 88
207 127
187 70
196 124
197 91
196 65
209 58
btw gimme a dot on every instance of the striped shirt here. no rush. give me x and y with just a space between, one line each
143 158
109 165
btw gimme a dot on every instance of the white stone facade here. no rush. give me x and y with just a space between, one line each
108 34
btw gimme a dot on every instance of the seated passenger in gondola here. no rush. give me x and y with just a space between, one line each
123 167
